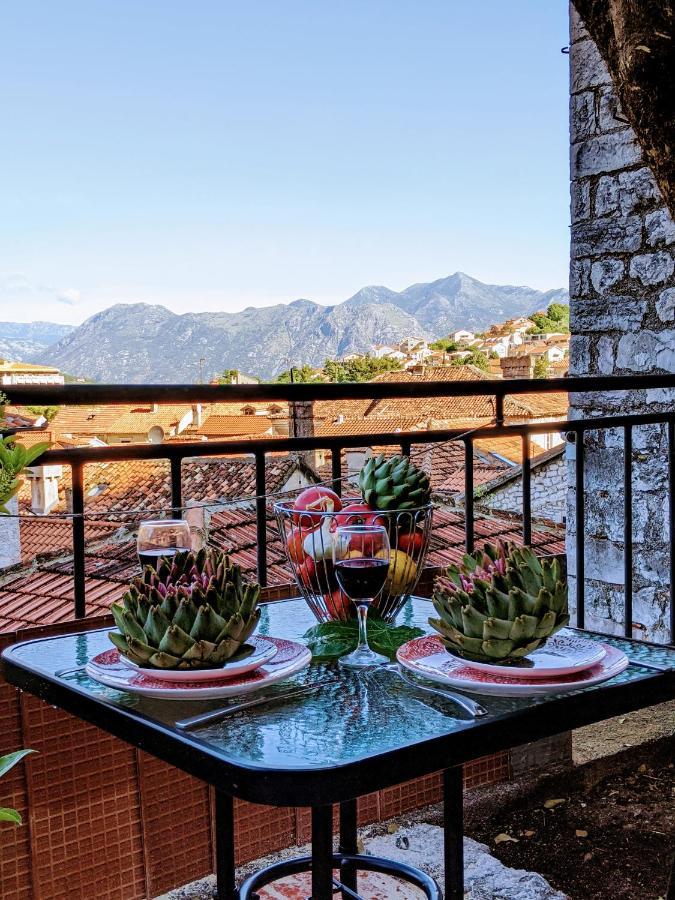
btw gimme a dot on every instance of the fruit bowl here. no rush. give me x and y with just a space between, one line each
307 536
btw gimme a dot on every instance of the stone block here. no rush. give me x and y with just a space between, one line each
605 153
607 313
660 228
587 68
583 118
665 305
605 273
610 115
580 277
606 235
580 355
652 268
637 190
605 355
580 205
647 351
607 195
577 28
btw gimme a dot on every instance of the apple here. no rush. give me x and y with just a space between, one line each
312 502
296 550
411 542
339 605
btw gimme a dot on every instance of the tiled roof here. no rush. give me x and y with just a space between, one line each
140 419
13 367
367 426
90 420
510 448
234 426
43 535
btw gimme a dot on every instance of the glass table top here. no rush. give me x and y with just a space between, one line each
356 715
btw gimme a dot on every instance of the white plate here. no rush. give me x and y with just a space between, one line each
108 669
427 657
264 651
563 654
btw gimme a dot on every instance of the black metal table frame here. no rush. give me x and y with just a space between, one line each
320 788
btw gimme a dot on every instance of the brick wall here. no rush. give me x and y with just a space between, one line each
548 483
622 317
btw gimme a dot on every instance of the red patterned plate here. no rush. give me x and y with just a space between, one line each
427 657
289 658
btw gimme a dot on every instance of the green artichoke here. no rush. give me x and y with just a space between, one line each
394 483
500 604
193 612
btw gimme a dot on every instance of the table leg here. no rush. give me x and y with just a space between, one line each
322 852
348 844
225 871
453 832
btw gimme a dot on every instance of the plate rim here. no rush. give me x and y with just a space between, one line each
207 691
533 674
200 676
519 688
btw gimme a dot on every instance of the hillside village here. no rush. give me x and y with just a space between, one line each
220 489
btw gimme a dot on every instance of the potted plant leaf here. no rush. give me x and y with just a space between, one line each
6 763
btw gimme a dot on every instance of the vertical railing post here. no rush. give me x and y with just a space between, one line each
628 530
499 409
176 464
336 468
468 494
79 591
261 516
671 523
580 524
527 491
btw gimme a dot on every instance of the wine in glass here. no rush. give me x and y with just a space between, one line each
162 538
361 559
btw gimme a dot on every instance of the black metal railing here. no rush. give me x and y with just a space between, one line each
575 429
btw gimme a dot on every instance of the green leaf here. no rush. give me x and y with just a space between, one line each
9 815
7 762
329 640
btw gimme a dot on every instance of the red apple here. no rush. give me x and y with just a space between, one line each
410 542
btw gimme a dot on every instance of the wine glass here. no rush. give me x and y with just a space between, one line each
162 538
361 560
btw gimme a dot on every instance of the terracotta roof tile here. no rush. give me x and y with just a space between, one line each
239 426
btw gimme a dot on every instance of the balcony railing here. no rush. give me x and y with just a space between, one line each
575 430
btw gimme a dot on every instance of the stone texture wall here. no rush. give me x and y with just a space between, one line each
622 312
548 483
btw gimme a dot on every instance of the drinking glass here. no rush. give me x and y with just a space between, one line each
361 559
162 538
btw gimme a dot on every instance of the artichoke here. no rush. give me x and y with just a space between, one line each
500 604
394 483
193 612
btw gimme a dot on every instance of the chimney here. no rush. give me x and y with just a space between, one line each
517 366
10 536
302 425
197 415
44 488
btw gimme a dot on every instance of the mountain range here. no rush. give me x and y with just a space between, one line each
140 343
28 340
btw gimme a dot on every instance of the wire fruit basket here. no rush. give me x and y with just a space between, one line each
308 542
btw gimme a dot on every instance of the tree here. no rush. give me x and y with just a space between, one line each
49 412
299 374
555 319
475 358
229 376
636 40
540 369
445 345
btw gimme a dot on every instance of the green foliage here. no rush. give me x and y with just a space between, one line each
540 369
229 376
475 358
328 640
444 344
49 412
6 763
555 319
364 368
13 460
298 375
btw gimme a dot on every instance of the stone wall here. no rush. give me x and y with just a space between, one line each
622 312
548 484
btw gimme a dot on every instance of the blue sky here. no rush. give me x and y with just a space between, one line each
218 154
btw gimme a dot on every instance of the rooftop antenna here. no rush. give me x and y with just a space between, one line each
202 360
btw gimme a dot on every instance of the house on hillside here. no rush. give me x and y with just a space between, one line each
12 373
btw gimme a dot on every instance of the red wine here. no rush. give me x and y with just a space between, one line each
152 557
361 579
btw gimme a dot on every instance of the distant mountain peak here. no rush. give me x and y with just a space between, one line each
143 343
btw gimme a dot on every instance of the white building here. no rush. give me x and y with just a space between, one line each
27 373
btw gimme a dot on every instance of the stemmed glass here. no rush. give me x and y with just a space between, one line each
361 559
162 538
